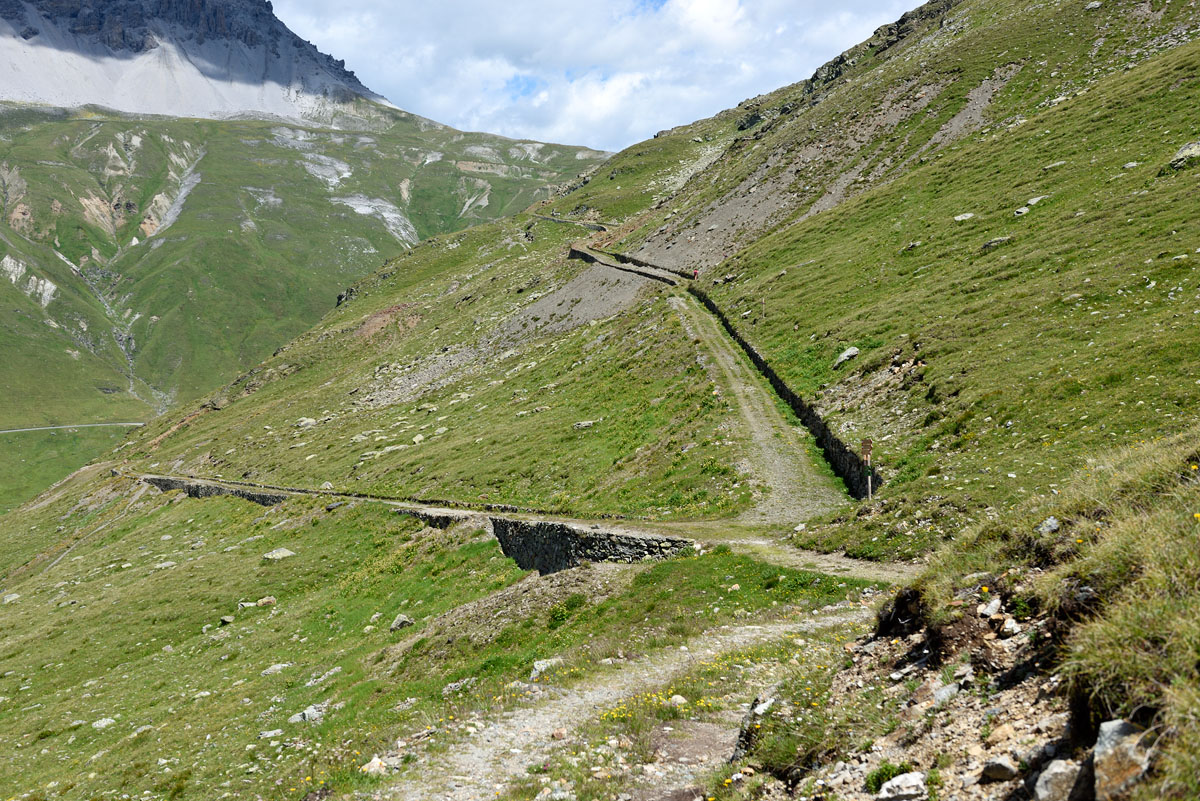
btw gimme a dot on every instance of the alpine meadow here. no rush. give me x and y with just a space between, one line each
843 445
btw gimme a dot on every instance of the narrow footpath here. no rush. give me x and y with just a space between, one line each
503 749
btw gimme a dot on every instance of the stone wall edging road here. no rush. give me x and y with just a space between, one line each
842 459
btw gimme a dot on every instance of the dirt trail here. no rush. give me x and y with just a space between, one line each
501 751
780 452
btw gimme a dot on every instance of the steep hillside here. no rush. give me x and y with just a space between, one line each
161 255
147 261
971 240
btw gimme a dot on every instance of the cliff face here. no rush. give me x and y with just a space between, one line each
161 44
126 24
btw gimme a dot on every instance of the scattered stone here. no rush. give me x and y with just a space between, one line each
278 554
559 734
1056 781
905 787
311 714
1000 769
1033 201
848 354
458 686
418 439
276 668
164 566
582 424
103 723
1010 628
997 242
375 767
1130 165
945 694
268 600
1092 6
1048 526
226 620
678 701
329 674
543 666
964 217
267 735
992 607
12 596
1055 165
1001 734
1121 759
305 422
402 621
328 485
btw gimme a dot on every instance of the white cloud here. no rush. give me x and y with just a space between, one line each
606 74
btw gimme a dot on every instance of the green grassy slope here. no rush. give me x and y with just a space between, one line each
1001 356
36 459
168 675
189 250
450 376
976 363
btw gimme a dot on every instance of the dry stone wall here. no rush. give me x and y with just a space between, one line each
549 547
202 489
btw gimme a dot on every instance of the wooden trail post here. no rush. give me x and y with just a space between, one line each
866 450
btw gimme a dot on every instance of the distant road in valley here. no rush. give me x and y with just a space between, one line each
80 425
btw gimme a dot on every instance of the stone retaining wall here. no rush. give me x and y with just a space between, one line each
625 258
583 255
437 518
844 461
550 547
200 489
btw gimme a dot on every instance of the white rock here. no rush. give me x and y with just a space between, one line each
375 767
278 554
103 723
1056 781
848 354
542 666
964 217
12 596
905 787
276 668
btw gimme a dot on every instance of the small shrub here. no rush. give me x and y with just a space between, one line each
885 773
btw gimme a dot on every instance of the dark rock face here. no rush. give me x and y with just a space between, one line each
551 547
134 26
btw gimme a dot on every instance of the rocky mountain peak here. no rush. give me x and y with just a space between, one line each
239 42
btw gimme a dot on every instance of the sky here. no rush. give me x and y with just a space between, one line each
601 73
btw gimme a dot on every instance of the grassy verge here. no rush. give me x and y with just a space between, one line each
166 697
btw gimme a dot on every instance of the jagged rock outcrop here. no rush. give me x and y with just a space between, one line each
216 57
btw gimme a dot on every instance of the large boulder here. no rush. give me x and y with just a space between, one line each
1188 156
1122 757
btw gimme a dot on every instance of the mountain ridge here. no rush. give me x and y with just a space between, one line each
216 59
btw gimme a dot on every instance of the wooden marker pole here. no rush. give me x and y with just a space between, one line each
866 449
